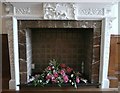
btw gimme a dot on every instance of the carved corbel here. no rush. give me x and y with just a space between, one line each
110 22
8 8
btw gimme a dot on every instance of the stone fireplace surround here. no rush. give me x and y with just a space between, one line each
52 11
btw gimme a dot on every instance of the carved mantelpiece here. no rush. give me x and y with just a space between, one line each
59 11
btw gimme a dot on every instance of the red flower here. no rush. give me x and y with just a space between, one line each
49 68
48 76
63 65
69 70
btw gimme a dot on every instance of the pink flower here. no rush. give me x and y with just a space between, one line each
77 80
49 68
65 78
55 74
62 72
53 79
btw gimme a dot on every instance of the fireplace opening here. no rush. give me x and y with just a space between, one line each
74 43
71 46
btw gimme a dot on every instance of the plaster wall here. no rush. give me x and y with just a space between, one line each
114 29
0 18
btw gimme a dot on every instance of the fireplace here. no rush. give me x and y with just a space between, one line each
92 21
75 43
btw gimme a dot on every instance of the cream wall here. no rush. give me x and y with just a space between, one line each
0 48
0 18
114 29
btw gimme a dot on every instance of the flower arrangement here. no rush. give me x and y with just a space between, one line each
59 74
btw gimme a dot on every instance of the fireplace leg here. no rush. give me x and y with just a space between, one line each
12 84
105 83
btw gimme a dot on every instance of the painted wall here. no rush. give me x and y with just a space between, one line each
114 29
0 18
0 48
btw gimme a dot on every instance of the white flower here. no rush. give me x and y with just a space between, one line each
54 71
58 81
40 81
84 80
70 81
53 67
72 75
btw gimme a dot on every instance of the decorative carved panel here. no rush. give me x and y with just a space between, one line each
59 11
91 11
23 10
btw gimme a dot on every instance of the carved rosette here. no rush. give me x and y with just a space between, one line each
59 11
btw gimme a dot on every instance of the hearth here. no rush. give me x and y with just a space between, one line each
74 43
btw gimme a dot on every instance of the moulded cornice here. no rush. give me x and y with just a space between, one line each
81 1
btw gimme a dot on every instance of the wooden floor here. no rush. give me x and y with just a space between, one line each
64 91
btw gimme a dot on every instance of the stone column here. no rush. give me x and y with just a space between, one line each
9 28
7 25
